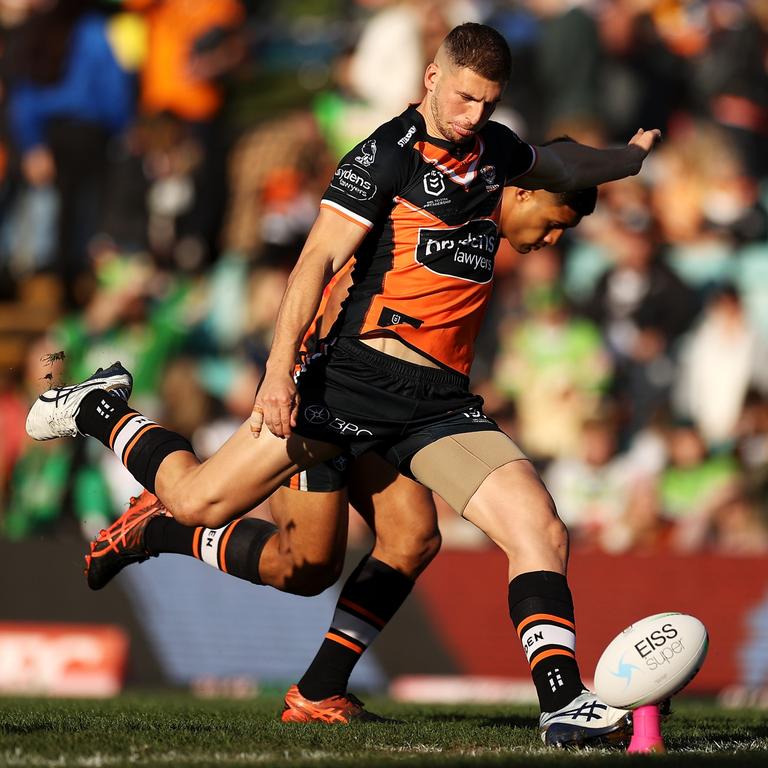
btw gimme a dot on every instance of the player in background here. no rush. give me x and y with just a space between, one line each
422 221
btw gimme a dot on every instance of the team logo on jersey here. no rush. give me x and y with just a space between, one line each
367 153
434 183
488 172
466 252
354 182
317 414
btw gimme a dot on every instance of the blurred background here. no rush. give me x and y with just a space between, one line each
161 162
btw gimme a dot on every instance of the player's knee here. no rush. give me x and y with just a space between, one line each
557 534
409 554
428 549
309 579
195 510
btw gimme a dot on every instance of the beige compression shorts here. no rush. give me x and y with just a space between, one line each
455 466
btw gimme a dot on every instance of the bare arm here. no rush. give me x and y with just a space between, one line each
566 165
330 244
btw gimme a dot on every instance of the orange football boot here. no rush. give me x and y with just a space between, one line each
340 710
123 542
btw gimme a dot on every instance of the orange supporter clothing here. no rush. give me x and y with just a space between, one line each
167 83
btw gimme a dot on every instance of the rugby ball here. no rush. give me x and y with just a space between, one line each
651 660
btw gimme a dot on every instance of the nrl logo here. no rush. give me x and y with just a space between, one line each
434 184
367 153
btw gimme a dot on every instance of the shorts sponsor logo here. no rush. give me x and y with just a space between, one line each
466 252
409 134
488 172
348 428
367 153
474 413
434 183
317 414
354 182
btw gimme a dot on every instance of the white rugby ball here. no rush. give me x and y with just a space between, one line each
651 660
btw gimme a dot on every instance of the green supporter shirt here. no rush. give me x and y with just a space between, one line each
684 490
143 348
572 352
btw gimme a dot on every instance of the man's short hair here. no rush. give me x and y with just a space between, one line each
481 49
581 201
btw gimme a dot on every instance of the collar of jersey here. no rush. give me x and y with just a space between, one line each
421 127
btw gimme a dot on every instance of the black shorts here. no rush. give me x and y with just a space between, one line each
361 399
328 476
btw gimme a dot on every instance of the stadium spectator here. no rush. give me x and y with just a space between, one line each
567 41
553 364
730 80
70 93
694 486
719 362
192 46
642 307
592 487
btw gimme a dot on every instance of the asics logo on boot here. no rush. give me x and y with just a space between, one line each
589 710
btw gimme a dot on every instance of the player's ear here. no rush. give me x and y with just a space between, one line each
431 76
523 195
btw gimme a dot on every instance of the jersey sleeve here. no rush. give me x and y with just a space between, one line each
521 157
366 180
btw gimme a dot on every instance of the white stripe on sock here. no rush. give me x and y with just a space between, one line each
546 634
354 627
209 545
127 432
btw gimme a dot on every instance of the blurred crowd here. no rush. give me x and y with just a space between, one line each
161 162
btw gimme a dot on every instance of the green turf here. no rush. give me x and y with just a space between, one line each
176 730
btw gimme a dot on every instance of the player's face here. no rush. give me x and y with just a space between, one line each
461 101
533 220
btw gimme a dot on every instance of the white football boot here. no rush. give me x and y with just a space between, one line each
53 413
585 721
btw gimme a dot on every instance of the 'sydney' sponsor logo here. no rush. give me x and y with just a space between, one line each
466 252
354 182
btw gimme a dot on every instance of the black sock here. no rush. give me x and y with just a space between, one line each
369 599
139 442
235 548
541 608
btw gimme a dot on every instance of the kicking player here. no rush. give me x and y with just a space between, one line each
418 204
399 511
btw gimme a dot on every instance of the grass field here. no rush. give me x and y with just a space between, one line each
177 730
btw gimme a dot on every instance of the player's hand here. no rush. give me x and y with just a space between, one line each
645 140
276 406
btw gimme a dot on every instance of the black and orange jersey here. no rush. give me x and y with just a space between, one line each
328 310
431 210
